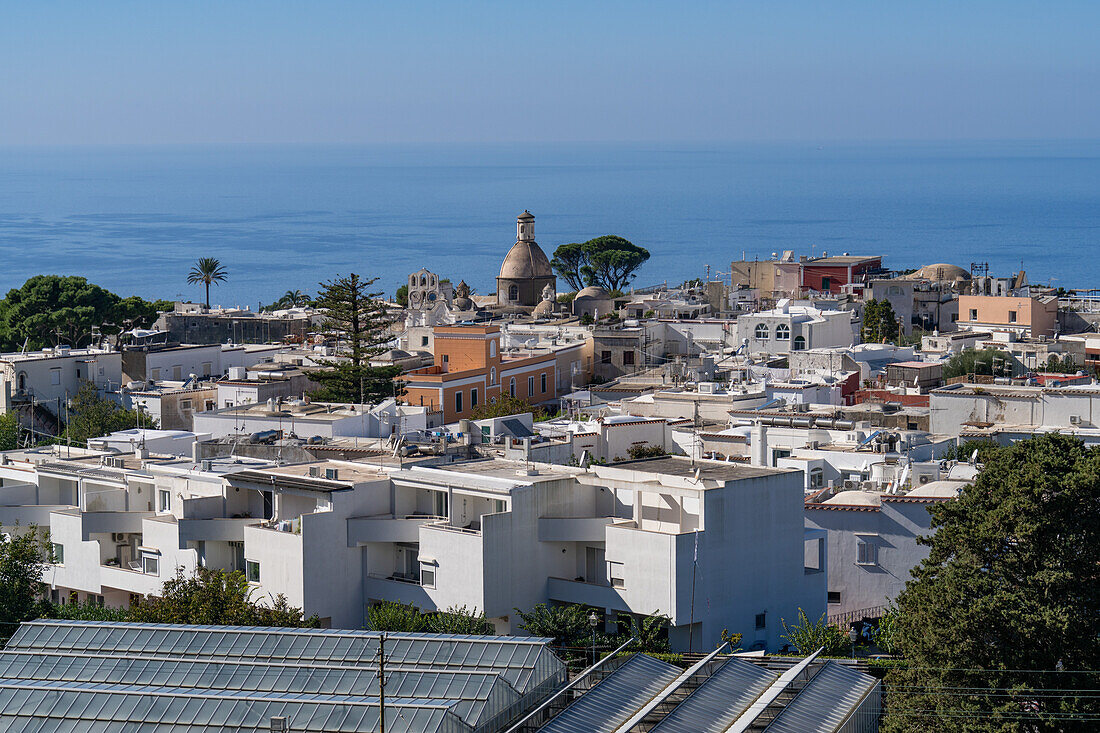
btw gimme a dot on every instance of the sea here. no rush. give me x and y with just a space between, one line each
134 219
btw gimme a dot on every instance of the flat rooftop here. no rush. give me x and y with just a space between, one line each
685 467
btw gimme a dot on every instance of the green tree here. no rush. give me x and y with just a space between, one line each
9 431
85 611
978 361
503 407
216 597
880 323
651 631
460 620
985 449
23 561
808 636
207 270
1001 623
563 624
1065 365
92 416
394 616
608 261
49 310
357 317
401 297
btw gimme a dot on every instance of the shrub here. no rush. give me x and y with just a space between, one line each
807 637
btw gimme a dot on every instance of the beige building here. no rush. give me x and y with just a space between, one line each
1034 316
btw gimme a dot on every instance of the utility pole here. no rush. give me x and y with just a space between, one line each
382 683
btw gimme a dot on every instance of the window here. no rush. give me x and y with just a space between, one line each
473 397
973 314
628 358
513 292
493 375
782 332
512 387
427 574
206 368
617 574
439 503
543 381
55 376
150 564
817 478
499 506
867 551
761 331
605 357
458 401
252 571
799 343
96 599
59 553
446 358
185 405
177 372
208 405
530 386
834 596
1012 316
492 348
164 500
423 340
762 620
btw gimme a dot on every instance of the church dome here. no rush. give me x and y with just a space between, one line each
525 261
939 272
595 292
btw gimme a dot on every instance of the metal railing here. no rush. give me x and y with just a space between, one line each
847 617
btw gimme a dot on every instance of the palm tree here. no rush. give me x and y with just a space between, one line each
207 270
295 298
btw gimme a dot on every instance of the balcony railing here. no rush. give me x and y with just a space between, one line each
471 530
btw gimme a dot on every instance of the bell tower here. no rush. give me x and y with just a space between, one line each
525 227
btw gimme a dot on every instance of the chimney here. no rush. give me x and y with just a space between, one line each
758 445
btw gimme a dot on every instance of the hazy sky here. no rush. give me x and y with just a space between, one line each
321 71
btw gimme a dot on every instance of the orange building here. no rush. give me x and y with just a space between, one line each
1032 316
470 369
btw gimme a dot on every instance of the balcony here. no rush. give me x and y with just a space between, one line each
388 528
392 588
589 594
473 529
133 581
26 516
573 529
220 529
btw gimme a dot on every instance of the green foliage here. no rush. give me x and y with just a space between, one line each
357 318
86 611
505 406
880 323
50 309
885 635
216 597
460 620
23 561
645 451
92 416
290 299
566 625
393 616
985 448
586 319
734 640
9 431
808 636
1008 595
1065 365
207 270
978 361
566 298
649 314
608 261
650 631
402 296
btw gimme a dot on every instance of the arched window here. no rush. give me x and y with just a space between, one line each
512 387
761 331
799 343
493 375
783 332
21 381
492 348
817 478
513 292
423 280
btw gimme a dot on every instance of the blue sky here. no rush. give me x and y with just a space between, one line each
370 72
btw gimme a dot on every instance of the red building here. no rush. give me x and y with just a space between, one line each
831 274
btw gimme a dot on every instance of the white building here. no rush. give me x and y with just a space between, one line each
788 328
306 420
52 376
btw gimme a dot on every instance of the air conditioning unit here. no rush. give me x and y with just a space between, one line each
813 445
1074 419
850 485
207 465
922 480
118 536
332 474
314 471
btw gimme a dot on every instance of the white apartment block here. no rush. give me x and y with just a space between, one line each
335 536
52 376
788 328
